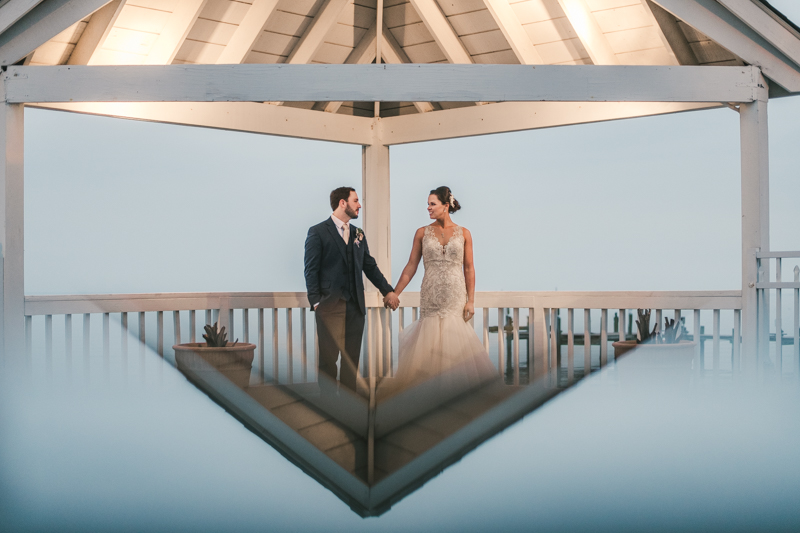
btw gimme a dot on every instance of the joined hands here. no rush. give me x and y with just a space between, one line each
391 301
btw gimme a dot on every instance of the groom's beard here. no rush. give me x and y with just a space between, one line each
349 212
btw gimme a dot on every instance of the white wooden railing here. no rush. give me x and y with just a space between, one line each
286 353
772 342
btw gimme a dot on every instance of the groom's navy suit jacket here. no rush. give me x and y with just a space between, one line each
326 267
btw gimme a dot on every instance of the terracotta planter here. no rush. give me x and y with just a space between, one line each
234 362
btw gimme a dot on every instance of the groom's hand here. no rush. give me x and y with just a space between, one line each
391 301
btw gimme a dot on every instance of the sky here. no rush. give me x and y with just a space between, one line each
115 206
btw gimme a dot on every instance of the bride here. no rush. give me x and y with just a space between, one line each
442 341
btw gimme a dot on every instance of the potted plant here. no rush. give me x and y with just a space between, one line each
673 338
234 361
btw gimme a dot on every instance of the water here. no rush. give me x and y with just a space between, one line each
643 444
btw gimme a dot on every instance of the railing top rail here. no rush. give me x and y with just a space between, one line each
114 303
782 255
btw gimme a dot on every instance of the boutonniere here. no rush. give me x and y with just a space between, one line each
359 236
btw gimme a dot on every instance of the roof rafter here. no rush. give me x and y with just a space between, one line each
393 53
362 54
761 22
248 32
95 33
673 34
442 32
314 36
727 30
41 24
175 31
512 30
14 10
589 32
649 8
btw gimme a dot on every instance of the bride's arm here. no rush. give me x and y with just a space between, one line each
469 275
413 262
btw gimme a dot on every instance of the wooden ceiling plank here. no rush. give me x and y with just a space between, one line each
41 24
95 33
248 32
178 25
589 32
442 32
14 10
314 35
766 26
726 29
515 34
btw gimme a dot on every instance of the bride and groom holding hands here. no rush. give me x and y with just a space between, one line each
336 256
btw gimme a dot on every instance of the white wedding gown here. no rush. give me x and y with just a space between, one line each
441 344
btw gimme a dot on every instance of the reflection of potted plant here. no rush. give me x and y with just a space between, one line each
234 361
674 336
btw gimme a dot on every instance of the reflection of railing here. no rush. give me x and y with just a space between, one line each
287 353
765 290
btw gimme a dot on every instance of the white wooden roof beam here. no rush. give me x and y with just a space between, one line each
672 32
13 10
725 28
393 54
41 24
512 30
248 32
236 116
589 32
174 32
766 26
379 83
517 116
362 54
442 32
314 35
95 33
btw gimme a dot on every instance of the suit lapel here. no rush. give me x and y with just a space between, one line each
338 238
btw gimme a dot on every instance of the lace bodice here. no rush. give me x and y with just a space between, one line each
444 290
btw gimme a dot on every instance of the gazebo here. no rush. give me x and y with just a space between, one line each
444 69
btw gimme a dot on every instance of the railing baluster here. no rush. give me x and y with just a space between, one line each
715 341
86 334
486 329
289 354
698 336
659 320
623 318
677 316
68 339
303 346
192 326
160 333
603 337
245 325
377 357
570 344
737 345
316 351
531 345
515 349
587 341
387 344
29 337
778 317
209 318
107 341
401 319
555 364
501 333
275 361
142 336
176 327
414 314
231 329
797 321
261 343
48 340
124 336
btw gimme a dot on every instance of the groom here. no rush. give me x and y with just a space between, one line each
336 254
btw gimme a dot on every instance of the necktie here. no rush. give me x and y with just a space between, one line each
346 232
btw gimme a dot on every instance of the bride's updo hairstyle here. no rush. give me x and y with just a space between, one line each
445 195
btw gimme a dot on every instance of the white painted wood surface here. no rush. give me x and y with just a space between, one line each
13 10
589 32
442 32
313 37
755 207
376 202
95 34
248 117
12 255
393 83
515 34
41 24
769 27
248 32
172 35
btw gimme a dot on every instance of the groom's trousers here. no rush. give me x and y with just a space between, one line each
340 328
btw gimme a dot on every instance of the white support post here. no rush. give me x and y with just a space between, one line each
755 209
12 282
375 199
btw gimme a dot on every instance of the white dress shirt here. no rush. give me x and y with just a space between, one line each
340 225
